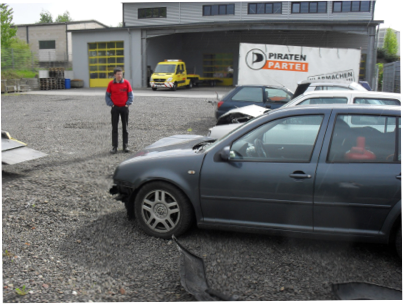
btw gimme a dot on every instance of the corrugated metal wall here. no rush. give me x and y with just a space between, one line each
192 12
391 77
190 47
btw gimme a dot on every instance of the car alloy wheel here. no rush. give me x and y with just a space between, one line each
174 87
163 210
160 211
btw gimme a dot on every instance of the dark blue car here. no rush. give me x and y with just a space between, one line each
329 171
268 96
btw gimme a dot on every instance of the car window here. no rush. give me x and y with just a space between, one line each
249 94
365 138
377 101
165 68
323 100
290 139
331 88
276 95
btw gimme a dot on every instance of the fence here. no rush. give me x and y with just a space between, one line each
391 77
17 59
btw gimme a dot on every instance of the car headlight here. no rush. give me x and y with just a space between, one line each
169 79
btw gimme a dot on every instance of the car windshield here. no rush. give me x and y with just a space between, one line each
212 145
293 101
165 68
358 87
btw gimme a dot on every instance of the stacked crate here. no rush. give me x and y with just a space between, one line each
55 80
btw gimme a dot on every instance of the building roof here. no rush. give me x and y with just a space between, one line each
62 23
245 24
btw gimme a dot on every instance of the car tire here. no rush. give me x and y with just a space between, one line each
175 86
162 210
190 85
398 241
154 89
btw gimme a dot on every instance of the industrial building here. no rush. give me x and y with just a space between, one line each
206 35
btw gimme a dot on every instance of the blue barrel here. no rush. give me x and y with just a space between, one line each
67 84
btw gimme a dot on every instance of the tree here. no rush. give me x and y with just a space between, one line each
64 18
120 24
7 29
390 43
46 17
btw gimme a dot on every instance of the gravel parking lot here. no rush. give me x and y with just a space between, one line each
67 240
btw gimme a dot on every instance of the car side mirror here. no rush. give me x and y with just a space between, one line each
225 153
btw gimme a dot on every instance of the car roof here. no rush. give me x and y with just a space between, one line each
327 82
262 85
352 93
355 107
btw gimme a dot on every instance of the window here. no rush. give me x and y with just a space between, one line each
351 6
265 8
156 12
309 7
365 138
377 101
328 100
277 95
249 94
289 139
331 88
222 9
46 45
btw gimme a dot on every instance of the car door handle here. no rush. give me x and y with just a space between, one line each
398 176
300 175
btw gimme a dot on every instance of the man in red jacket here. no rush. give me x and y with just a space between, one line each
119 96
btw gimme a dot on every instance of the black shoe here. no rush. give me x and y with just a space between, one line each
114 150
126 150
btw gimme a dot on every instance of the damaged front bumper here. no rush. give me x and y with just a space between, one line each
123 193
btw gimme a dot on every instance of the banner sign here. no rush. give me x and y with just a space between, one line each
286 65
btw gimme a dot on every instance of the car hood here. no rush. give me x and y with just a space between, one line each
241 114
173 145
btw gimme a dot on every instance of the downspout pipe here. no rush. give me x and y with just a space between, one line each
130 55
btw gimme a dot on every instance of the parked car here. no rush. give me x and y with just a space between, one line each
271 97
329 171
236 117
323 85
274 97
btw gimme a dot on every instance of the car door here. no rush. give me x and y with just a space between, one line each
358 175
246 96
275 98
268 180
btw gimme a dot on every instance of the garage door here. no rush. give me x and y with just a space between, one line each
103 57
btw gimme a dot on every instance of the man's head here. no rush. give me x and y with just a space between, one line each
118 73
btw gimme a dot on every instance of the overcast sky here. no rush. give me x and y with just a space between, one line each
110 12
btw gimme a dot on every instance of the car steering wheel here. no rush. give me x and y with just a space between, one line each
259 148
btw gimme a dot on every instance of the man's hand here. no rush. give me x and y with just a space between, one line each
126 106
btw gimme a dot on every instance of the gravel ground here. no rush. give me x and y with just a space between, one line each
67 240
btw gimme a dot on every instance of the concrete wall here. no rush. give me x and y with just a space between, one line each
192 12
132 45
50 32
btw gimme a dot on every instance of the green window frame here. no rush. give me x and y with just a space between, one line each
154 12
47 45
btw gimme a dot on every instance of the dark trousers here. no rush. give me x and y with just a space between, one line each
123 112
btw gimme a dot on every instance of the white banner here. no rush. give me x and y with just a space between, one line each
286 65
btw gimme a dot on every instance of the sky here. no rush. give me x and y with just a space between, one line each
110 12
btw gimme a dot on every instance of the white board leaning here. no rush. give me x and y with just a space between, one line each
286 65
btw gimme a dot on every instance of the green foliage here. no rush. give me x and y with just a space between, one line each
381 53
390 44
22 291
64 18
7 29
380 76
18 74
46 17
18 56
7 254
